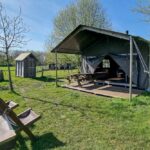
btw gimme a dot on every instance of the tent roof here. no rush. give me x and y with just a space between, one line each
84 36
23 56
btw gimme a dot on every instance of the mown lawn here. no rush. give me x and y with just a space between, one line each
74 120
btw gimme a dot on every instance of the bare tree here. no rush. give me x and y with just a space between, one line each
12 31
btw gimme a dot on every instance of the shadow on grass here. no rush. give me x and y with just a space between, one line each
4 81
81 109
47 79
20 143
44 142
145 93
142 99
16 93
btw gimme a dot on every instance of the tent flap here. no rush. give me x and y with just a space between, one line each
90 63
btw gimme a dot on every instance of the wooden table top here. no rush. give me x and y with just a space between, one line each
6 131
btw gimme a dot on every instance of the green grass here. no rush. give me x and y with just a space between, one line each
73 120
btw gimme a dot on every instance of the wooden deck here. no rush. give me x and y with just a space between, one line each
104 90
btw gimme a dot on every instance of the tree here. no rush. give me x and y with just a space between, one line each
143 7
12 31
85 12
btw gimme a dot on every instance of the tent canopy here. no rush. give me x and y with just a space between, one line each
83 37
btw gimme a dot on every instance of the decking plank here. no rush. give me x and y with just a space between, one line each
104 90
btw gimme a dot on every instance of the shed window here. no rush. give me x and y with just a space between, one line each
106 63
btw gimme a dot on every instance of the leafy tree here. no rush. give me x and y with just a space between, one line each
86 12
143 7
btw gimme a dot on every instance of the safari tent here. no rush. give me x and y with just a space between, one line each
110 54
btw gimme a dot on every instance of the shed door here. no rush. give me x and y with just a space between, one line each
22 69
19 68
31 68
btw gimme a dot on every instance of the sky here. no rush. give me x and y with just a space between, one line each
38 16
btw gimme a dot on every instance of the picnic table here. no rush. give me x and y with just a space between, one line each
80 77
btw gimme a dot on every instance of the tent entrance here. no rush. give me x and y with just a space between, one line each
110 71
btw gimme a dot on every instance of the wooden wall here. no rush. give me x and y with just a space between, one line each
30 67
26 68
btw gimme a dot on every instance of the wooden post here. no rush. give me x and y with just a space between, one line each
131 68
56 61
42 74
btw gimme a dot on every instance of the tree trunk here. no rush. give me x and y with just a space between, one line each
9 73
42 74
1 75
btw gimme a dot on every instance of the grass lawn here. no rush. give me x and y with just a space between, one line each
73 120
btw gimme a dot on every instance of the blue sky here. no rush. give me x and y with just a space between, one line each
38 15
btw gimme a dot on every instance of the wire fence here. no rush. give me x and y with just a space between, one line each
38 69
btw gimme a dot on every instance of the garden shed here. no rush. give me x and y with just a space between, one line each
114 57
26 65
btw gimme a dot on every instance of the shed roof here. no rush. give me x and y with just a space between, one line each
84 36
23 56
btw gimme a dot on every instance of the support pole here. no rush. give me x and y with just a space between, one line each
131 68
56 61
149 71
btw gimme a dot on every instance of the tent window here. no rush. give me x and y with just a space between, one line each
106 63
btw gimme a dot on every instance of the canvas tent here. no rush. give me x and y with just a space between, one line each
95 44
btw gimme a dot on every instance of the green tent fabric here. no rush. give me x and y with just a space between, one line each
89 64
115 48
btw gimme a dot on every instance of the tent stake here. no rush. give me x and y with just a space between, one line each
56 80
131 68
